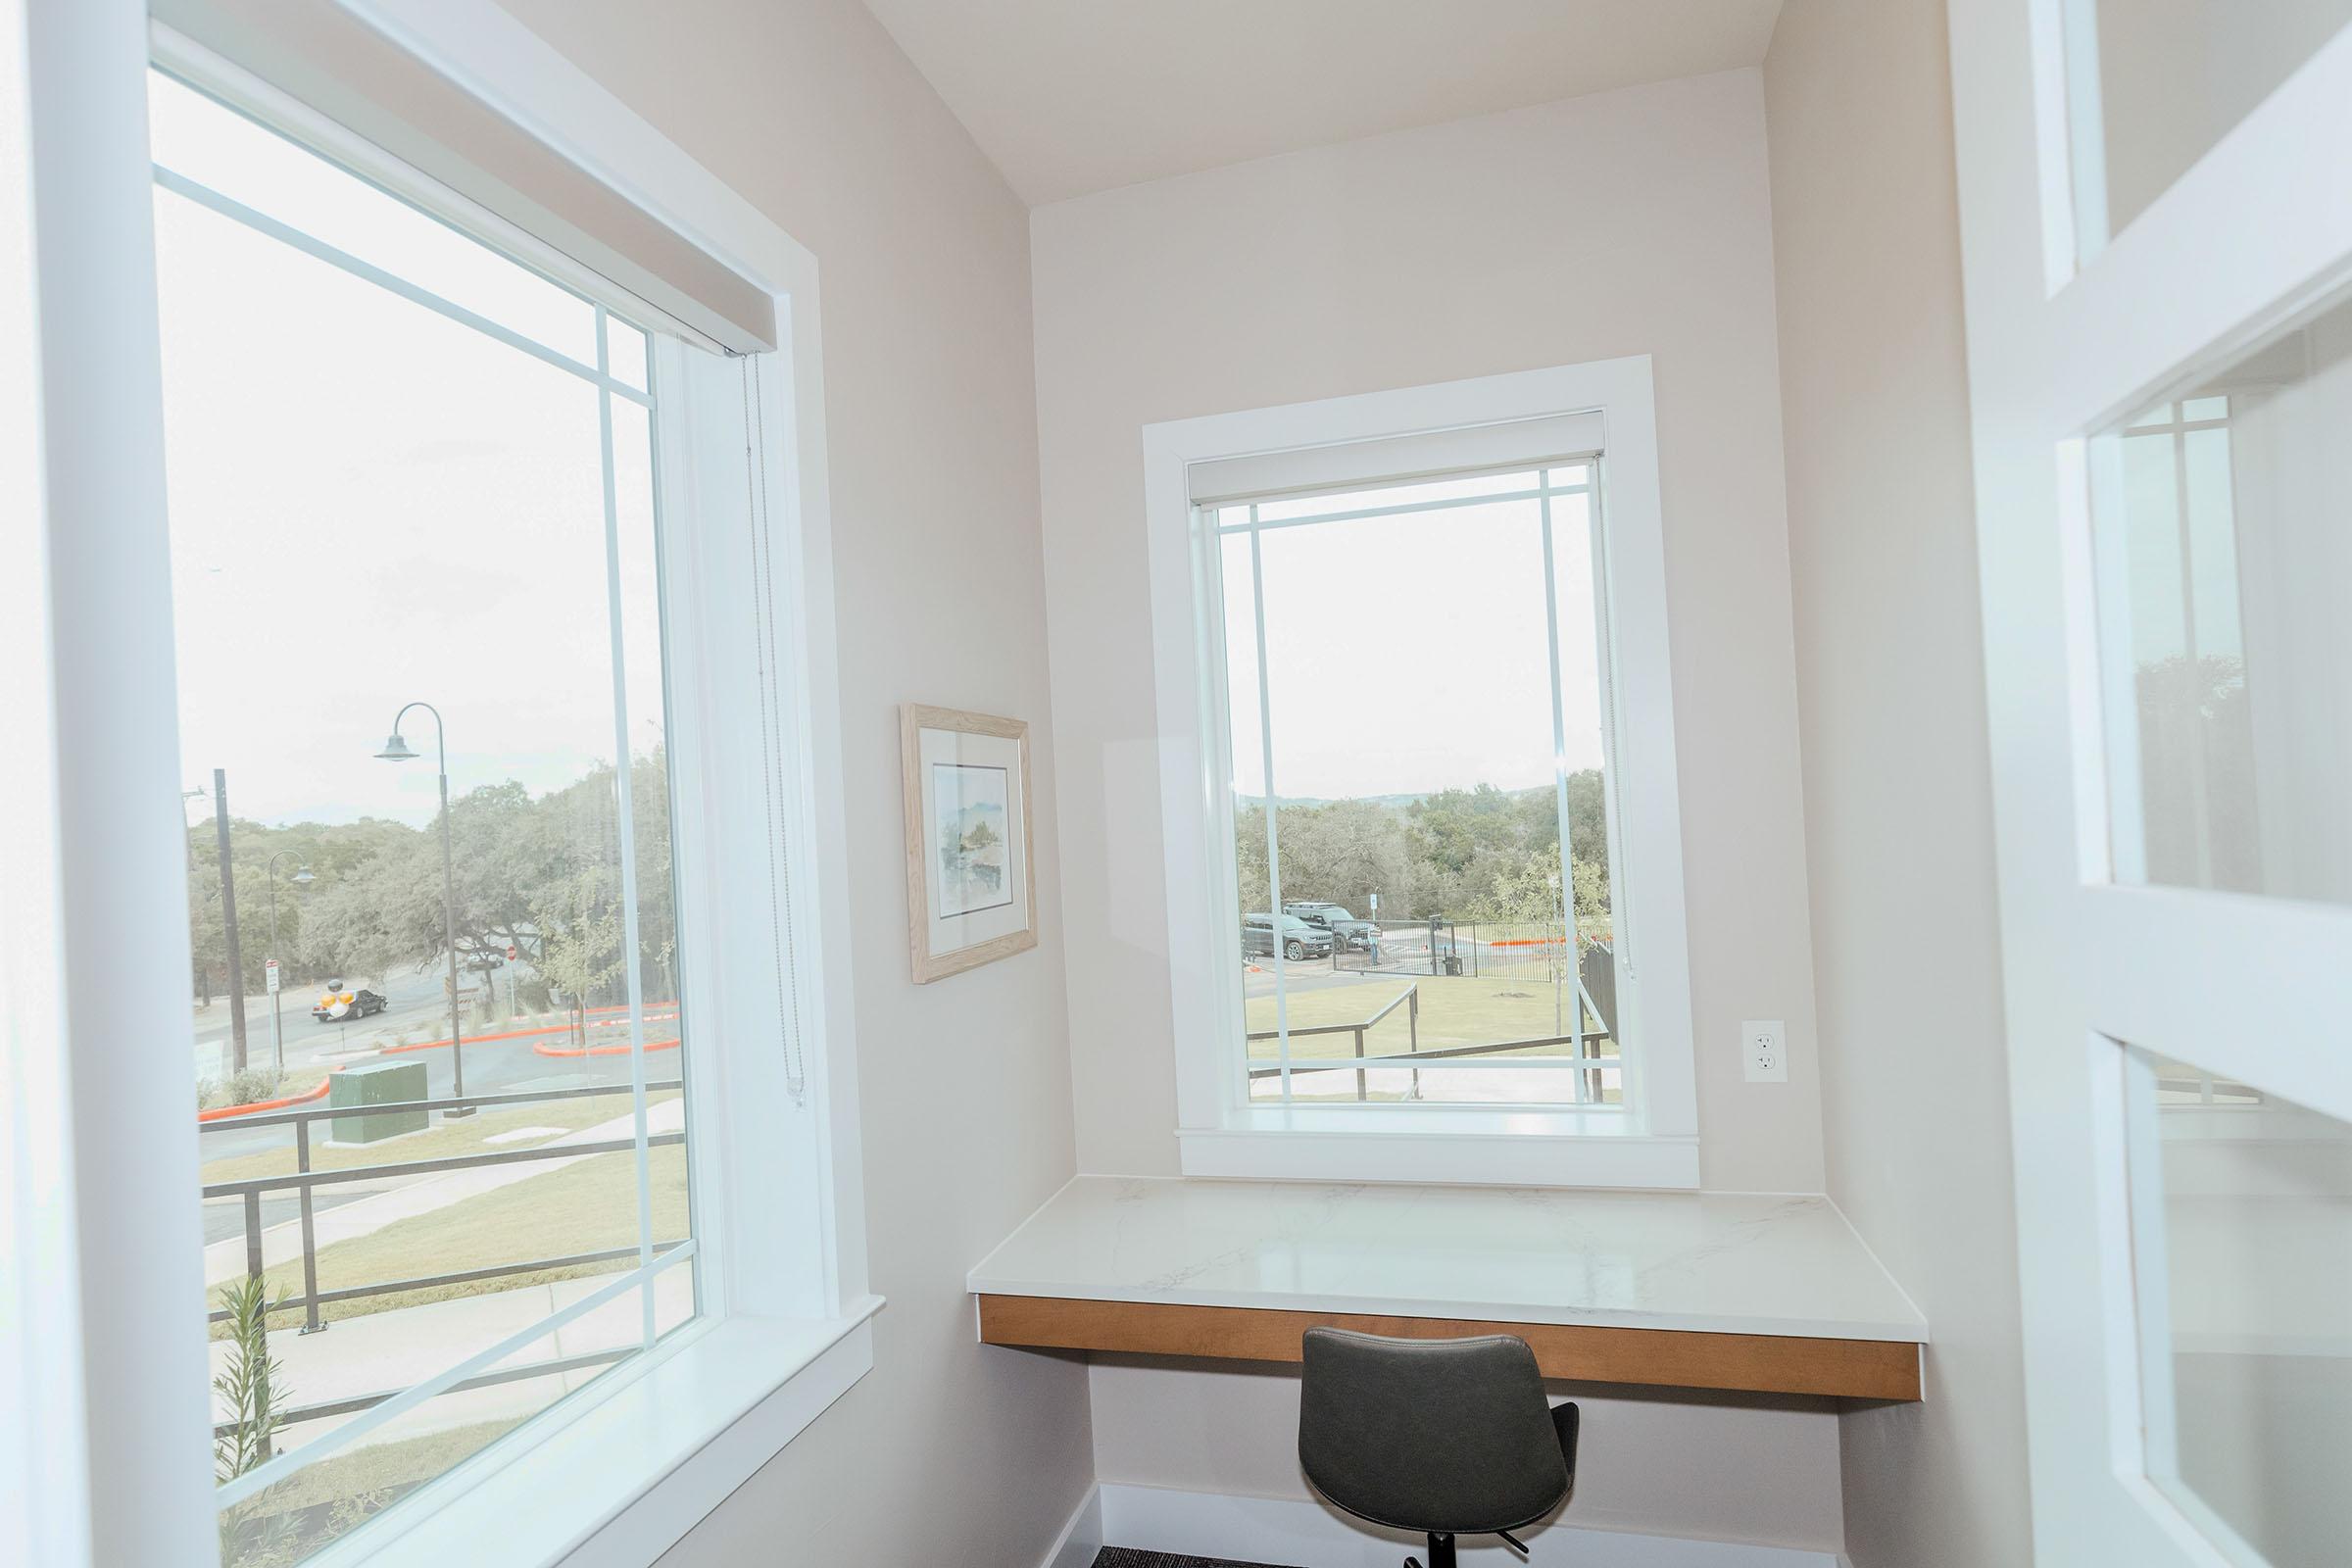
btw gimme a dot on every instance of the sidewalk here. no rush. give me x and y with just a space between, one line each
388 1351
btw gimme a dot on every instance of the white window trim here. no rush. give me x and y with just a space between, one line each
669 1435
1654 1142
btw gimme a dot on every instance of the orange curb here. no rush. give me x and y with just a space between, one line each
509 1034
602 1050
224 1112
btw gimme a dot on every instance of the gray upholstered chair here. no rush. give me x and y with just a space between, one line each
1445 1437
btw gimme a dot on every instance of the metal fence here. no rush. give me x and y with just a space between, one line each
305 1182
1592 1064
1477 950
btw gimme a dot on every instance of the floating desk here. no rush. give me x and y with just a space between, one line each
1763 1294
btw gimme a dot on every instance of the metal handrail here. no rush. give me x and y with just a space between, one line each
521 1097
1411 994
1439 1053
255 1186
355 1404
304 1181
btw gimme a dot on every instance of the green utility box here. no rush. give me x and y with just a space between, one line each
379 1082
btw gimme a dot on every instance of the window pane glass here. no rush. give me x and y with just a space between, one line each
2242 1241
1424 770
376 508
2172 77
625 353
2224 561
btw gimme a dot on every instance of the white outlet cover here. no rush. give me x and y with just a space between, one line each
1764 1051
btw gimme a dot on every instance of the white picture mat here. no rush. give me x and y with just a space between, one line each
949 750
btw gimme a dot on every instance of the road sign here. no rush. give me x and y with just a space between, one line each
270 969
511 953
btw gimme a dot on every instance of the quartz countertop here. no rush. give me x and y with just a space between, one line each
1710 1262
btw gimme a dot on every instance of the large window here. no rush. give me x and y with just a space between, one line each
1418 786
1416 685
431 807
439 1036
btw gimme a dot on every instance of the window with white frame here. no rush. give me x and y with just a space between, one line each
463 575
1415 679
1425 884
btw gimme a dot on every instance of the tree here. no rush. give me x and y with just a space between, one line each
1440 855
581 939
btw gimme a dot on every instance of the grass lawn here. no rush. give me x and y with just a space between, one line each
1455 1010
586 1206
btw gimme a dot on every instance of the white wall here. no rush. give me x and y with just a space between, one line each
1891 689
1629 223
947 1452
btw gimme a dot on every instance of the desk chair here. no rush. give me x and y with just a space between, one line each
1445 1437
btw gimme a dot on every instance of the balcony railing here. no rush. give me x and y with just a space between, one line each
304 1181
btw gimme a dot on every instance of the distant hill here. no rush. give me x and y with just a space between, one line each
1393 802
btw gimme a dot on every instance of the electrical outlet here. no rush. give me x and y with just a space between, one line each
1764 1050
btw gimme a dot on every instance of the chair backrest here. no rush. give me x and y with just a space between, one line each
1446 1436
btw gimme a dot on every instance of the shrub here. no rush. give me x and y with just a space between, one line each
250 1087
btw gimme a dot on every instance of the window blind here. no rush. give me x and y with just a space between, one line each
345 70
1412 455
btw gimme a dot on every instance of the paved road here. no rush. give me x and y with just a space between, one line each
416 1001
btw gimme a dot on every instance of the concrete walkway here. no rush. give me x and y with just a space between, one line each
387 1352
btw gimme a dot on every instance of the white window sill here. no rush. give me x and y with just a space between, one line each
1472 1144
617 1484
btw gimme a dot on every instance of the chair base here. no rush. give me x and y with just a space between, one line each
1441 1554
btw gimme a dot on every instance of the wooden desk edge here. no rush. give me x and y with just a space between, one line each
1682 1358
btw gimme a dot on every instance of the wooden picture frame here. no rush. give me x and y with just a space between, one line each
971 856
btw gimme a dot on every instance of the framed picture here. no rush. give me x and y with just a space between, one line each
971 877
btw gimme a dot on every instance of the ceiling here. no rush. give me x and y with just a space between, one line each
1072 96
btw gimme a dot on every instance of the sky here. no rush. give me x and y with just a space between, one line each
1408 653
372 503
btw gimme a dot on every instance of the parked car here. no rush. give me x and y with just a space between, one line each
1351 934
339 1005
1299 939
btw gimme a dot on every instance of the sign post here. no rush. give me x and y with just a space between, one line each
277 1026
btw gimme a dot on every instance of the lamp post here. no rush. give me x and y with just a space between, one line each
301 878
229 923
397 750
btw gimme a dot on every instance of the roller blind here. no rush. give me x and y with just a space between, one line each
345 70
1413 454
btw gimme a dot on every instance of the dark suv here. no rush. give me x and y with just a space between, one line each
1299 939
1356 936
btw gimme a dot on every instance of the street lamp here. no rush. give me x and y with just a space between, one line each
397 750
301 878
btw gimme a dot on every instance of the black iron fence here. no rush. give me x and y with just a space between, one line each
305 1182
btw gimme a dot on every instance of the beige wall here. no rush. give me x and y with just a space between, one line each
1891 690
947 1452
1631 223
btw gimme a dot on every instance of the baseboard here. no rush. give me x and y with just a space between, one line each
1306 1534
1081 1537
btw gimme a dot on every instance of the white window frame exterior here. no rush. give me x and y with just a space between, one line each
95 873
1652 1140
2071 331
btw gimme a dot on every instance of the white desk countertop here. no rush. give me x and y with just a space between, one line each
1714 1262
